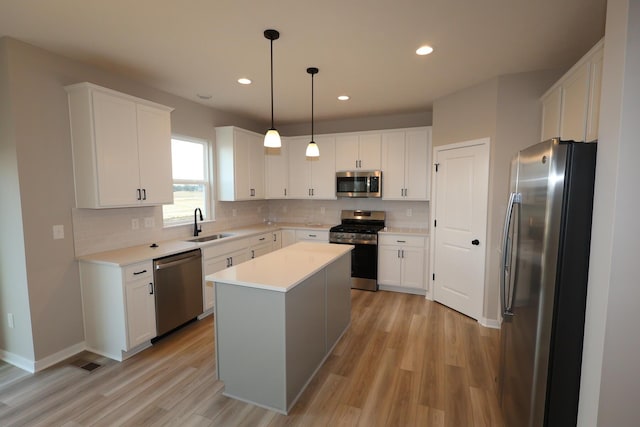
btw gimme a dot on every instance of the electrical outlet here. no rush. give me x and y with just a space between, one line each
234 212
409 212
10 320
135 224
58 232
149 222
322 211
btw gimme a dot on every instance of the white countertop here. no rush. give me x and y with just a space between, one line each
283 269
406 230
134 254
139 253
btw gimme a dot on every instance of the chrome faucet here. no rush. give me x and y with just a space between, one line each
197 230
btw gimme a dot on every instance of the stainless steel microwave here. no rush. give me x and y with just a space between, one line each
359 184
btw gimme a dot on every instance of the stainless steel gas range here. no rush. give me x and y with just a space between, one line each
360 228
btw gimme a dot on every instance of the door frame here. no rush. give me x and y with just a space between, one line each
486 144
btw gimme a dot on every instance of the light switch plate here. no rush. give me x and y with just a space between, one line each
135 224
409 212
58 232
149 222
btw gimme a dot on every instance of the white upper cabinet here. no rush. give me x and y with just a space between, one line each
551 108
240 164
356 151
121 148
570 108
276 161
406 164
312 177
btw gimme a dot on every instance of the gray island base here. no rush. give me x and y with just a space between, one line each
277 318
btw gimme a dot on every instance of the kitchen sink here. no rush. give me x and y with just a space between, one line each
211 237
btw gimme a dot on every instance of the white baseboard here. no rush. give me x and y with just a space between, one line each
38 365
60 356
18 361
489 323
404 290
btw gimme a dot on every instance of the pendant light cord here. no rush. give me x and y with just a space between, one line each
272 127
312 106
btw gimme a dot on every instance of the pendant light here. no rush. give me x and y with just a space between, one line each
272 137
312 148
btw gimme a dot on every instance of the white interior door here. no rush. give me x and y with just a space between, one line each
460 212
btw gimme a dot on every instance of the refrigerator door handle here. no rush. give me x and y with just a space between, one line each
506 300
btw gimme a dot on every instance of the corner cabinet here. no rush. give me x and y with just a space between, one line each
121 148
312 177
570 108
406 164
240 164
119 308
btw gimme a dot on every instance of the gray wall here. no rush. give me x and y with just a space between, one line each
14 297
507 110
610 380
392 121
37 188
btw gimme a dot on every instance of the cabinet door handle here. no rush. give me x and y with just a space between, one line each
313 235
144 194
150 288
401 241
262 238
402 252
139 194
398 253
275 238
285 191
135 273
253 254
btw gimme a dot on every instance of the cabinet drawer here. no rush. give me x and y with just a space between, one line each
400 239
314 235
260 239
142 270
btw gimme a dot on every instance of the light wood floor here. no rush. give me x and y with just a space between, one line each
404 361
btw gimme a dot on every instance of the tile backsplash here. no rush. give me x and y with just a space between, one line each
97 230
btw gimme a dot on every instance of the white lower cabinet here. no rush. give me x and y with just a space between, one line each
119 308
276 240
288 237
140 301
402 261
219 257
260 245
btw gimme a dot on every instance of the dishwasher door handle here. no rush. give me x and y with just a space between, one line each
162 266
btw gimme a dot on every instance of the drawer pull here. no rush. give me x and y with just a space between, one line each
401 241
135 273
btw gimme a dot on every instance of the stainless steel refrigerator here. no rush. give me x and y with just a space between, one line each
545 262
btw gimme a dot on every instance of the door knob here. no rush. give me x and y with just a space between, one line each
475 242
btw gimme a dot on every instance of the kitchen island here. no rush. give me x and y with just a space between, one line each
277 319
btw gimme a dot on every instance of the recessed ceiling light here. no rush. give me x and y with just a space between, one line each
204 96
244 81
344 97
424 50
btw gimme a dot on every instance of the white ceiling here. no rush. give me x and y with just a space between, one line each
364 48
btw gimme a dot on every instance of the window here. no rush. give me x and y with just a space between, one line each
190 181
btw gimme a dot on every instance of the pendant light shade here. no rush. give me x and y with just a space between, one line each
272 137
312 148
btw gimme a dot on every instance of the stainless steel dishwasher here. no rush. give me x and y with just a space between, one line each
178 289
